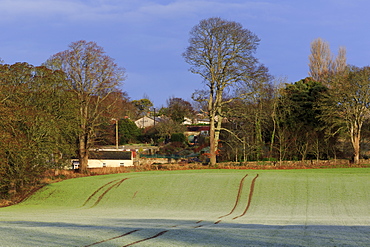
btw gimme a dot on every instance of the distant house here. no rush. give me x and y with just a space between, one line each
187 121
197 130
201 118
147 121
99 159
201 121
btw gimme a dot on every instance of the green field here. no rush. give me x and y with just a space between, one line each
319 207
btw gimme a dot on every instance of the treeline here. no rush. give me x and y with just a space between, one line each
62 109
53 112
324 116
252 118
300 121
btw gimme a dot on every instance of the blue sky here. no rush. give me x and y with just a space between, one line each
147 37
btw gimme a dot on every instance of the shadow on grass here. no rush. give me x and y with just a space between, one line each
164 232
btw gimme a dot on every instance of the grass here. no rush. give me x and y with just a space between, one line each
287 207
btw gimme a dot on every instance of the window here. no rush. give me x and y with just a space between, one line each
75 165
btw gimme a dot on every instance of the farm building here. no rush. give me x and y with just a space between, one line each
104 158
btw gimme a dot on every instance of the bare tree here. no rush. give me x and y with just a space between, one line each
340 62
322 64
93 77
221 52
320 59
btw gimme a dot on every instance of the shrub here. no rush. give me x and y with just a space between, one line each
178 137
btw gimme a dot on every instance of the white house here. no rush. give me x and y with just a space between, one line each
147 121
99 159
187 121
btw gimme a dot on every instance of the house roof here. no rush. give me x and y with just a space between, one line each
157 119
148 121
198 128
110 155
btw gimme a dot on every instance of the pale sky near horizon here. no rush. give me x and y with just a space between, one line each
147 37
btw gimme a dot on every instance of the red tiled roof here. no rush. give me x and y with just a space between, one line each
197 128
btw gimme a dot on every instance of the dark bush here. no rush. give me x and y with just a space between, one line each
178 137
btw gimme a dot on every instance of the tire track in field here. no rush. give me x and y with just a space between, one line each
241 185
116 184
107 190
120 182
109 239
145 239
126 234
249 198
96 191
198 223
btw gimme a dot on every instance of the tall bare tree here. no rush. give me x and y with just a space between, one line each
222 53
93 76
322 64
340 62
320 59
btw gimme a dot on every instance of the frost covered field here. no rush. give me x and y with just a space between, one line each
321 207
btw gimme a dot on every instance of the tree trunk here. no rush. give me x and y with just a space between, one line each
356 148
356 153
83 153
272 138
84 138
258 144
212 142
355 139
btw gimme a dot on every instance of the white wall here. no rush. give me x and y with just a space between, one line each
109 163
